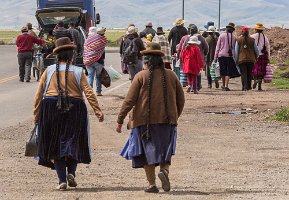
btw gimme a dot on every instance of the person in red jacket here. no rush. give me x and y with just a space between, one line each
192 63
24 43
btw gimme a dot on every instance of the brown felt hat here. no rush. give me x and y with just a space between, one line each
153 48
63 43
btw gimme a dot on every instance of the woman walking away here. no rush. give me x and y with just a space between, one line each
157 100
192 63
224 53
61 114
259 69
246 53
161 39
211 39
94 56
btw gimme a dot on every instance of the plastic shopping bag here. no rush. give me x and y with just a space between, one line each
215 71
113 74
269 74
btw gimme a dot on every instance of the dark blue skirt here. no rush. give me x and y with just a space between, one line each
228 67
63 135
158 149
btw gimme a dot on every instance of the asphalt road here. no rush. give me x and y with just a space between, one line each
16 98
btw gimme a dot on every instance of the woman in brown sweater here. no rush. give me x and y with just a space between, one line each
156 99
246 53
61 115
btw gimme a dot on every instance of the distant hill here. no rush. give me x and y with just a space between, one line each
119 13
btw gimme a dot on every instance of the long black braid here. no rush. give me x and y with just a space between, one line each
155 62
63 103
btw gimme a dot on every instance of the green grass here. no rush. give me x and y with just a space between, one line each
8 37
282 115
280 82
113 36
273 62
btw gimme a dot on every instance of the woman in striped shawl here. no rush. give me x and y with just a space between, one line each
94 55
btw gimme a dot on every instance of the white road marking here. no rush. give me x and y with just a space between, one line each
114 88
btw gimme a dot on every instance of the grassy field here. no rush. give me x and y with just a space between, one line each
279 81
9 37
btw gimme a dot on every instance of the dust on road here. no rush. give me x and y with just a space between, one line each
219 156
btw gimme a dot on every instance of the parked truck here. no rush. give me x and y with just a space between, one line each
50 12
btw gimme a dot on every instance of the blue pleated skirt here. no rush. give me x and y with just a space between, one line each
154 151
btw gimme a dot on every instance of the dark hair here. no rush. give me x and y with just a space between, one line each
259 31
245 33
230 30
72 24
142 34
153 62
60 24
63 103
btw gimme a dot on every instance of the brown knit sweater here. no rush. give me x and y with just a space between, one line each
137 99
72 87
248 54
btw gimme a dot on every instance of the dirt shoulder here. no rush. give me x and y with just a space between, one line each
219 156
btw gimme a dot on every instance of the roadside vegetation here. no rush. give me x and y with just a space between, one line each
282 115
281 75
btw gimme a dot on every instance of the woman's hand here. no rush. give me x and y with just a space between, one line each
100 116
118 128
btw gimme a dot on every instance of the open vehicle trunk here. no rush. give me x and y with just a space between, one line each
49 17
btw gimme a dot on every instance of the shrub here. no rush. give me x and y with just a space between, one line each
282 115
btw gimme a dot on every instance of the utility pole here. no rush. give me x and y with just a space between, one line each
219 15
183 10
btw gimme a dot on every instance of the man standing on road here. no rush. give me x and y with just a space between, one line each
76 37
24 43
59 31
149 29
30 29
174 38
132 46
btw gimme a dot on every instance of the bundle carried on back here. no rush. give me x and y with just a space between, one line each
93 48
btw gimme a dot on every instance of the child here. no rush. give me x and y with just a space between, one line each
192 63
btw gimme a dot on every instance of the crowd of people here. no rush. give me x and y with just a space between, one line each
188 52
159 68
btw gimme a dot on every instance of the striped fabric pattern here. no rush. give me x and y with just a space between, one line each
93 48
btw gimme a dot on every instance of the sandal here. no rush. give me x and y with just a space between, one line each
61 186
165 181
152 189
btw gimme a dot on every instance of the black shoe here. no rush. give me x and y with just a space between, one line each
227 89
152 189
27 81
255 84
209 86
165 181
217 84
21 80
